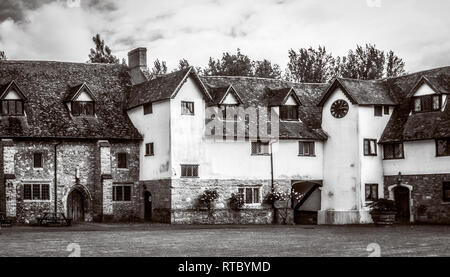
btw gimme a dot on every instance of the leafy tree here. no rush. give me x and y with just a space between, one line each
159 67
230 65
310 65
395 66
265 69
183 64
102 53
2 56
364 63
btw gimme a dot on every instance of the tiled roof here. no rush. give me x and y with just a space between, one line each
278 96
256 92
47 84
363 92
218 94
405 127
162 87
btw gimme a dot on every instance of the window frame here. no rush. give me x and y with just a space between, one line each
386 110
370 154
371 197
150 146
82 108
122 187
288 113
186 104
447 140
32 191
255 198
259 144
421 102
378 110
41 160
310 153
119 165
148 108
193 168
402 147
7 106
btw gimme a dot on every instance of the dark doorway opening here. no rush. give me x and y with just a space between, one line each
75 206
148 206
306 209
402 202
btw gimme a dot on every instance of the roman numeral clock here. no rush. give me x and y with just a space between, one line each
339 108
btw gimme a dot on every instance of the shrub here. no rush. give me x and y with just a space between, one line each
236 201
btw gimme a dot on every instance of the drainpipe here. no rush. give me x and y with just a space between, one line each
272 185
55 177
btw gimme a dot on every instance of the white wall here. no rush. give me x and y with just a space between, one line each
424 89
84 96
420 158
341 157
154 128
371 127
12 95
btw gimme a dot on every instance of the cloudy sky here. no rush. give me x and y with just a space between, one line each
416 30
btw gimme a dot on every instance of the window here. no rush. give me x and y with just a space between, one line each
36 192
148 108
260 148
122 160
37 160
289 113
443 147
371 192
386 110
189 171
251 195
370 147
427 103
306 148
187 108
149 149
393 151
378 110
12 107
436 102
446 191
121 193
83 108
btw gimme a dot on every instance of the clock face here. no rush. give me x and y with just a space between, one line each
339 108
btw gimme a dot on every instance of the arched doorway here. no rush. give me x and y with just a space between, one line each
148 206
402 202
75 206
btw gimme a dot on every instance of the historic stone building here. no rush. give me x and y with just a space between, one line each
110 142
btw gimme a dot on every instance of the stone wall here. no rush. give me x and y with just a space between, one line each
185 207
161 198
426 191
78 167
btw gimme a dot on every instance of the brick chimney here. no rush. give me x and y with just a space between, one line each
137 63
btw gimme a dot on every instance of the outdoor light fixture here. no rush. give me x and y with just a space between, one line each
399 178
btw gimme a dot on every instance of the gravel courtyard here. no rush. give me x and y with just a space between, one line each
234 241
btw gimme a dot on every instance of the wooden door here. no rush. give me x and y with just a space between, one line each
401 195
148 205
75 206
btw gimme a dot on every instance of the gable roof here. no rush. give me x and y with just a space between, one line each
163 87
279 97
404 126
256 92
433 82
361 92
219 94
6 88
75 91
47 83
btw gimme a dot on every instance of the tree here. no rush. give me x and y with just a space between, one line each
394 65
2 56
159 67
310 65
102 53
364 63
265 69
183 64
230 65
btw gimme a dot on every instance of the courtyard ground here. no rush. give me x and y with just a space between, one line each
150 240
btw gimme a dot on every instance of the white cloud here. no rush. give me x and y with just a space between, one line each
198 29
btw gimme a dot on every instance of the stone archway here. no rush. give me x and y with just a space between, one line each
78 197
400 191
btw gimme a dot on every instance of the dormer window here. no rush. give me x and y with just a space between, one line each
427 103
287 101
11 100
289 113
81 101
